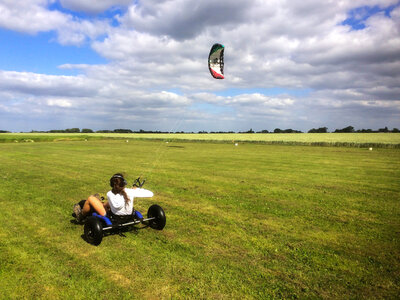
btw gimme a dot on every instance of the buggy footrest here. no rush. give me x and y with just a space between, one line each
138 215
104 218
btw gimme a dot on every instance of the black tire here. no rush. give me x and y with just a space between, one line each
93 230
158 213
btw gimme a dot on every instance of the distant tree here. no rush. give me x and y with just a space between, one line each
319 130
250 130
104 131
72 130
277 130
291 131
4 131
395 130
264 131
123 131
86 130
347 129
383 129
365 130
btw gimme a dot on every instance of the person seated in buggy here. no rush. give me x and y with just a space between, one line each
119 200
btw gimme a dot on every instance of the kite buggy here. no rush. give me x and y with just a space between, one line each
116 221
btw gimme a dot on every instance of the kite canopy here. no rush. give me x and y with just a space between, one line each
216 61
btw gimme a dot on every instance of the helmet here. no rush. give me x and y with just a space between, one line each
118 175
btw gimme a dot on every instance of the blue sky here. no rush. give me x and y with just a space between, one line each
40 53
142 65
359 15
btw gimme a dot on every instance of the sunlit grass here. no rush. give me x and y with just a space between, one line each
247 221
317 139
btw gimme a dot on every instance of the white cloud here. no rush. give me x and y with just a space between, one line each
93 7
157 66
77 32
34 16
59 102
30 16
38 85
182 19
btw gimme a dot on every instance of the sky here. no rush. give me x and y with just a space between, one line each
139 64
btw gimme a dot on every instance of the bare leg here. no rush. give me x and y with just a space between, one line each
96 204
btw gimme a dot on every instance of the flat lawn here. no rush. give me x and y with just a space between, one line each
348 139
252 221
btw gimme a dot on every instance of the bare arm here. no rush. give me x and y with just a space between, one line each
142 193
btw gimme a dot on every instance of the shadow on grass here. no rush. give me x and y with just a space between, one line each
177 147
116 231
75 222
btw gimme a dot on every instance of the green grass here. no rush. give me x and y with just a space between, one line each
381 140
254 221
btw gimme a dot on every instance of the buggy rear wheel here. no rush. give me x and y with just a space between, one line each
93 230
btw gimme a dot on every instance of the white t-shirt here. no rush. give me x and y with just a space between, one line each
117 201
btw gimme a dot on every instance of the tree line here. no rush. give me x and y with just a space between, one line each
88 130
348 129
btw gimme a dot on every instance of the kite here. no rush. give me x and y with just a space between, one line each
216 61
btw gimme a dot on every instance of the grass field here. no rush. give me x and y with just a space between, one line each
254 221
381 140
